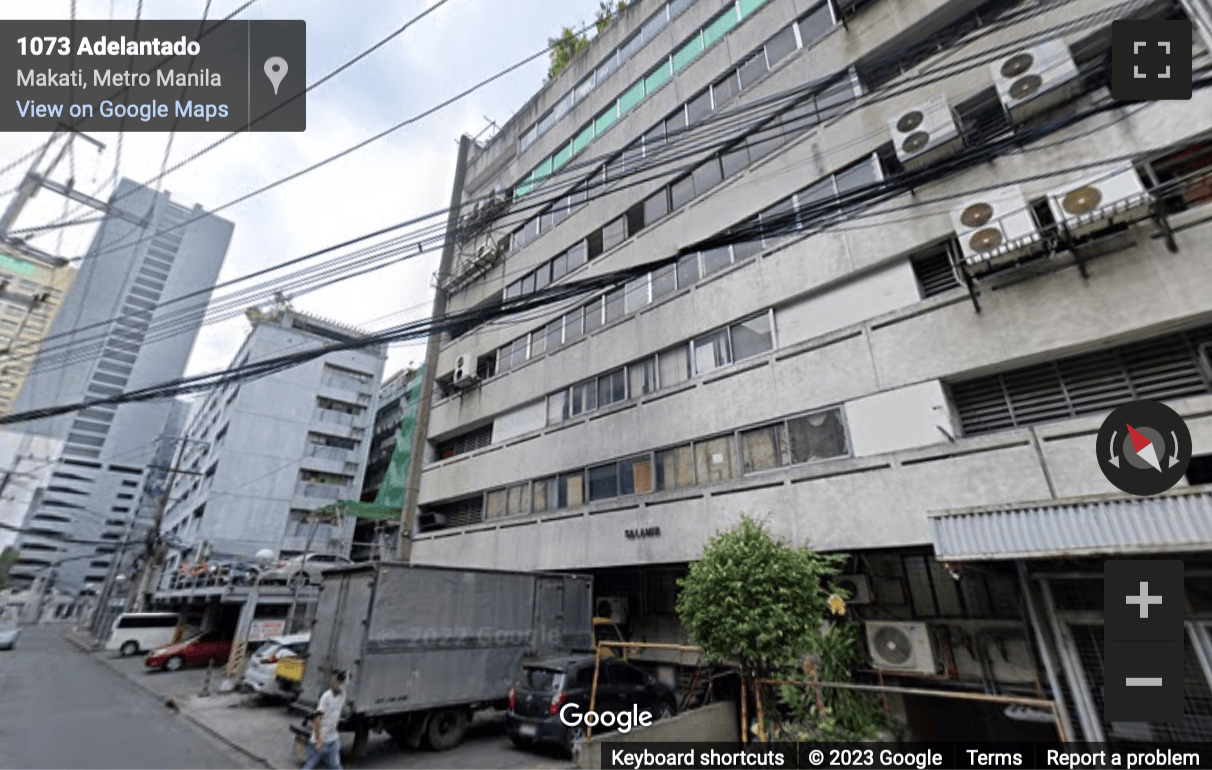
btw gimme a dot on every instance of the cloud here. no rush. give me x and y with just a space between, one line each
394 179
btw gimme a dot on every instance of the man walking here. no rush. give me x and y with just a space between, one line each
325 745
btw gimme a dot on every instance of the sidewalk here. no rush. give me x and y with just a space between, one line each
260 732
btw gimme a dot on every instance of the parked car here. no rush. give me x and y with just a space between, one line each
304 569
210 646
261 673
8 637
135 632
241 573
549 686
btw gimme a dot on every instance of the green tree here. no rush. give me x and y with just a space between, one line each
564 49
754 599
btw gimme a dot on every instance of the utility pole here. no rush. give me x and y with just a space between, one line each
154 556
35 180
408 516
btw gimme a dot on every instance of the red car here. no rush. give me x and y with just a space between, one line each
192 652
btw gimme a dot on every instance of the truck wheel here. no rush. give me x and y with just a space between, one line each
446 729
129 648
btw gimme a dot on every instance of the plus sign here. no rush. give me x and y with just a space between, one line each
1144 600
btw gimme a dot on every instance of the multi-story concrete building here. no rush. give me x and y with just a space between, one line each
113 333
32 294
923 253
262 455
393 403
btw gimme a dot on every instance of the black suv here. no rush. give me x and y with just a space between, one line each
564 684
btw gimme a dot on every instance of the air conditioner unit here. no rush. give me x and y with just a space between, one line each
857 586
1035 79
900 646
613 607
1117 195
926 133
465 370
995 228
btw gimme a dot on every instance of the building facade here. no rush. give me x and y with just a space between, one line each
262 455
32 295
393 403
905 259
113 333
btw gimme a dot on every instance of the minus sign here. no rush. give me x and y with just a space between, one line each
1143 681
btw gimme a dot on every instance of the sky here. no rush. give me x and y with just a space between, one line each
403 175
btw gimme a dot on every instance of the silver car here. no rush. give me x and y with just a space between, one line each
259 676
8 637
305 569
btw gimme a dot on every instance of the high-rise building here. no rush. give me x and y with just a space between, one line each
393 403
113 333
33 293
904 258
261 456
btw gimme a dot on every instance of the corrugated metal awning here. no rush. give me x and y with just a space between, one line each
1179 521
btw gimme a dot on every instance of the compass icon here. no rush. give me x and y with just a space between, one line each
1144 447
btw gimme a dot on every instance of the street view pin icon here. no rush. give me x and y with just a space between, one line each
275 70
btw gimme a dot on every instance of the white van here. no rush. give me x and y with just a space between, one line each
136 632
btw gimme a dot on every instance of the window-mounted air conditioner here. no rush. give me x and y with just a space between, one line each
900 646
995 228
1117 195
613 607
857 586
926 133
465 371
1036 79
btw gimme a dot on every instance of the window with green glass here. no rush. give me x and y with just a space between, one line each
606 119
658 78
633 97
543 171
523 188
582 139
749 6
688 52
562 157
718 28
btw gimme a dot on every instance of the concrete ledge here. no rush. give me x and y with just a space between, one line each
716 723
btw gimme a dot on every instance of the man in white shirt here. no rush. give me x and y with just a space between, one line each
325 744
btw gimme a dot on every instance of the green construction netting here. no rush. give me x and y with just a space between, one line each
390 500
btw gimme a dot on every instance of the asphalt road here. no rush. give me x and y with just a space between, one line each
60 708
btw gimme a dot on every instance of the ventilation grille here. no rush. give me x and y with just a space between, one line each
1159 369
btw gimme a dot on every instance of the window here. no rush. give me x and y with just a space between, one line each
612 388
716 259
675 468
614 233
751 337
780 45
725 89
583 398
555 333
982 118
816 23
664 281
593 315
764 448
559 267
470 441
674 366
557 406
698 107
817 436
603 482
544 494
572 325
635 475
681 192
614 305
656 205
712 351
571 489
636 294
713 459
642 377
707 175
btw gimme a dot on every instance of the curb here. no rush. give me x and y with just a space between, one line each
80 645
